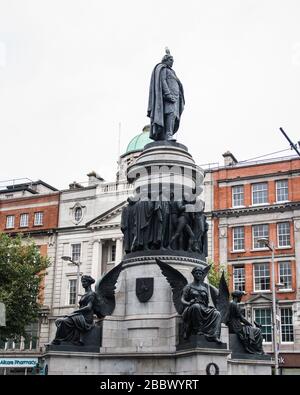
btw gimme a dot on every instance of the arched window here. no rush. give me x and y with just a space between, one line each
78 214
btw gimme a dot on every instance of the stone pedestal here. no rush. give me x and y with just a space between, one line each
150 326
197 362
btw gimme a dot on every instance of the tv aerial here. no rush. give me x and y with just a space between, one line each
293 146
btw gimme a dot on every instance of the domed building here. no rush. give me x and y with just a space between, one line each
133 150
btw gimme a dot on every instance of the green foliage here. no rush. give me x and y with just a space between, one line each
215 273
21 271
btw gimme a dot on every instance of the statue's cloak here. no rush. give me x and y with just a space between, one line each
156 103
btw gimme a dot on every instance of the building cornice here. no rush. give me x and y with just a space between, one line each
274 208
267 175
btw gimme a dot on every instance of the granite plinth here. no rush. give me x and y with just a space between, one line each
91 343
163 143
199 341
238 351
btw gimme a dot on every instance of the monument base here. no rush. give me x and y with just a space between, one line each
197 361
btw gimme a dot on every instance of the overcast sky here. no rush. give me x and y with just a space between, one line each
71 70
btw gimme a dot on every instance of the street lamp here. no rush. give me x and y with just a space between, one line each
271 247
69 259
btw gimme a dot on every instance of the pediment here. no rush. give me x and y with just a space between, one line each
260 298
108 219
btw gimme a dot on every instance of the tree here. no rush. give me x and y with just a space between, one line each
215 273
22 269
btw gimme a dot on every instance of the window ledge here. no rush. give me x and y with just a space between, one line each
285 291
260 204
233 207
261 292
38 225
282 201
283 248
236 251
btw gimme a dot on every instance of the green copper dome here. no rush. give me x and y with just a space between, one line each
138 142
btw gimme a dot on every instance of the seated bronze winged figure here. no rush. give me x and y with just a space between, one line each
192 302
100 302
250 336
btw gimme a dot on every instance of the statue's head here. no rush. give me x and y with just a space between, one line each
200 272
237 295
168 58
86 281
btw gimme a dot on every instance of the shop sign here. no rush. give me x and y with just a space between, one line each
18 362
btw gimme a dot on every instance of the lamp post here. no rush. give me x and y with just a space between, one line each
270 246
69 259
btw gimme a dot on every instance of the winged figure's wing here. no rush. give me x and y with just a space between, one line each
177 282
223 301
105 291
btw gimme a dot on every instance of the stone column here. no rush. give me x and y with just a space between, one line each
223 245
119 250
97 259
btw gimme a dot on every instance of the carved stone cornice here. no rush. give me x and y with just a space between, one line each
272 208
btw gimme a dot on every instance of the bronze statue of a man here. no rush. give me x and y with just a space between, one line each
166 100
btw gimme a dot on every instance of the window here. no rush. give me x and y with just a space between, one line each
76 252
10 221
38 218
263 317
238 238
259 232
238 196
113 253
285 274
78 214
286 325
72 291
282 191
283 234
31 337
261 276
239 278
260 193
24 220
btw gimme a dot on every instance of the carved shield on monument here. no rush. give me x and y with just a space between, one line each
144 288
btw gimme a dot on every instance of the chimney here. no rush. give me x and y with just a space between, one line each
229 159
75 185
94 178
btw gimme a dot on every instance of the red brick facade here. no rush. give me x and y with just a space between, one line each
47 204
270 213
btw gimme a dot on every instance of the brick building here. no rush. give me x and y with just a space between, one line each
251 201
30 208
